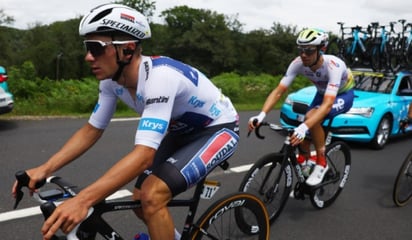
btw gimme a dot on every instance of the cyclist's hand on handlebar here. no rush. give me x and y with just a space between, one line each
35 175
299 134
65 217
256 120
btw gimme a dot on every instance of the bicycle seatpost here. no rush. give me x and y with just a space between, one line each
23 180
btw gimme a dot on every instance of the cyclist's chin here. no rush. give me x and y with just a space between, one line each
307 62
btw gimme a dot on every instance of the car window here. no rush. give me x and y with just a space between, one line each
405 87
371 82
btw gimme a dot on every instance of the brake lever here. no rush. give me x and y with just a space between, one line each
23 180
255 122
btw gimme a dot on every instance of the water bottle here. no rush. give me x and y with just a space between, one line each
307 167
141 236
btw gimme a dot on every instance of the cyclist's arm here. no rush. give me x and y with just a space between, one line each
79 143
273 98
285 82
72 211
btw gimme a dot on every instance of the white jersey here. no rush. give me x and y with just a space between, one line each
170 96
331 78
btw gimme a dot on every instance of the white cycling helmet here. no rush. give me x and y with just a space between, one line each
312 36
109 18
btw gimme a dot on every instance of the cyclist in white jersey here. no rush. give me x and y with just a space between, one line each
187 125
333 81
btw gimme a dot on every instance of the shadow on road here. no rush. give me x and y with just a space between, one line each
6 125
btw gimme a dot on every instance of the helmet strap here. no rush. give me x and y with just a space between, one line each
317 58
121 65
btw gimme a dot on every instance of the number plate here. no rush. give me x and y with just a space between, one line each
209 189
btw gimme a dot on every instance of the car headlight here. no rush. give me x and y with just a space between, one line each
288 101
363 111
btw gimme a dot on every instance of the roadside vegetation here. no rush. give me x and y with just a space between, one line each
39 97
48 75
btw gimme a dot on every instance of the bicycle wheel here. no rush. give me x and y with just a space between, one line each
237 216
408 55
339 161
402 190
376 57
260 180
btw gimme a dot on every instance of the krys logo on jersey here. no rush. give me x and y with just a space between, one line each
219 148
153 124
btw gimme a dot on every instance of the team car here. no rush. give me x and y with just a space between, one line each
381 103
6 97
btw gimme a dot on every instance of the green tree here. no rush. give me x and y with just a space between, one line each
146 7
200 37
5 19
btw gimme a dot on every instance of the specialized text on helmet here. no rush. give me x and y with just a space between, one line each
121 26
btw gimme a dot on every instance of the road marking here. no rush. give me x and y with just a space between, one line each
124 119
32 211
27 212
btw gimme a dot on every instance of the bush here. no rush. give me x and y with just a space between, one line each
35 96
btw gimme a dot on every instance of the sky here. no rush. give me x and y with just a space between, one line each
256 14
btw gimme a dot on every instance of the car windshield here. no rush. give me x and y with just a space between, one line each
373 82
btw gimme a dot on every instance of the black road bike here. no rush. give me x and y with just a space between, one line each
271 178
238 215
402 190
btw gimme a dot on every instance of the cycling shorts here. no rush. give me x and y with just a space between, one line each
182 160
343 102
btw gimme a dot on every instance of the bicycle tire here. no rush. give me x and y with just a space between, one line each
339 160
408 55
274 197
226 219
375 57
402 190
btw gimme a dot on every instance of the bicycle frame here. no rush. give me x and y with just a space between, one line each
94 223
357 40
289 159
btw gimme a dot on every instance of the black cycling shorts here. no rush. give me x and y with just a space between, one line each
182 160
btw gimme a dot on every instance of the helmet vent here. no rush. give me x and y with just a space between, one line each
101 15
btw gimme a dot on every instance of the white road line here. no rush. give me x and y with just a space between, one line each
242 168
27 212
124 119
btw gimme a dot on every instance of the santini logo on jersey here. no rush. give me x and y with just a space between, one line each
161 99
153 124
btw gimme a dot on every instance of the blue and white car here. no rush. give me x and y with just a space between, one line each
381 102
6 98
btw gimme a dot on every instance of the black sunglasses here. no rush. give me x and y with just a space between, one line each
97 47
307 50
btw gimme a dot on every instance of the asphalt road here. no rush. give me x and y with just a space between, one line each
364 210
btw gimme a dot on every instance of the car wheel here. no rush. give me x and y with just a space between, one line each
382 133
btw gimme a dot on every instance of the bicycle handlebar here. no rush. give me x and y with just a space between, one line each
23 180
47 208
287 130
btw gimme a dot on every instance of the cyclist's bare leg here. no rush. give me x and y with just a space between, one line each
304 149
154 195
318 139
